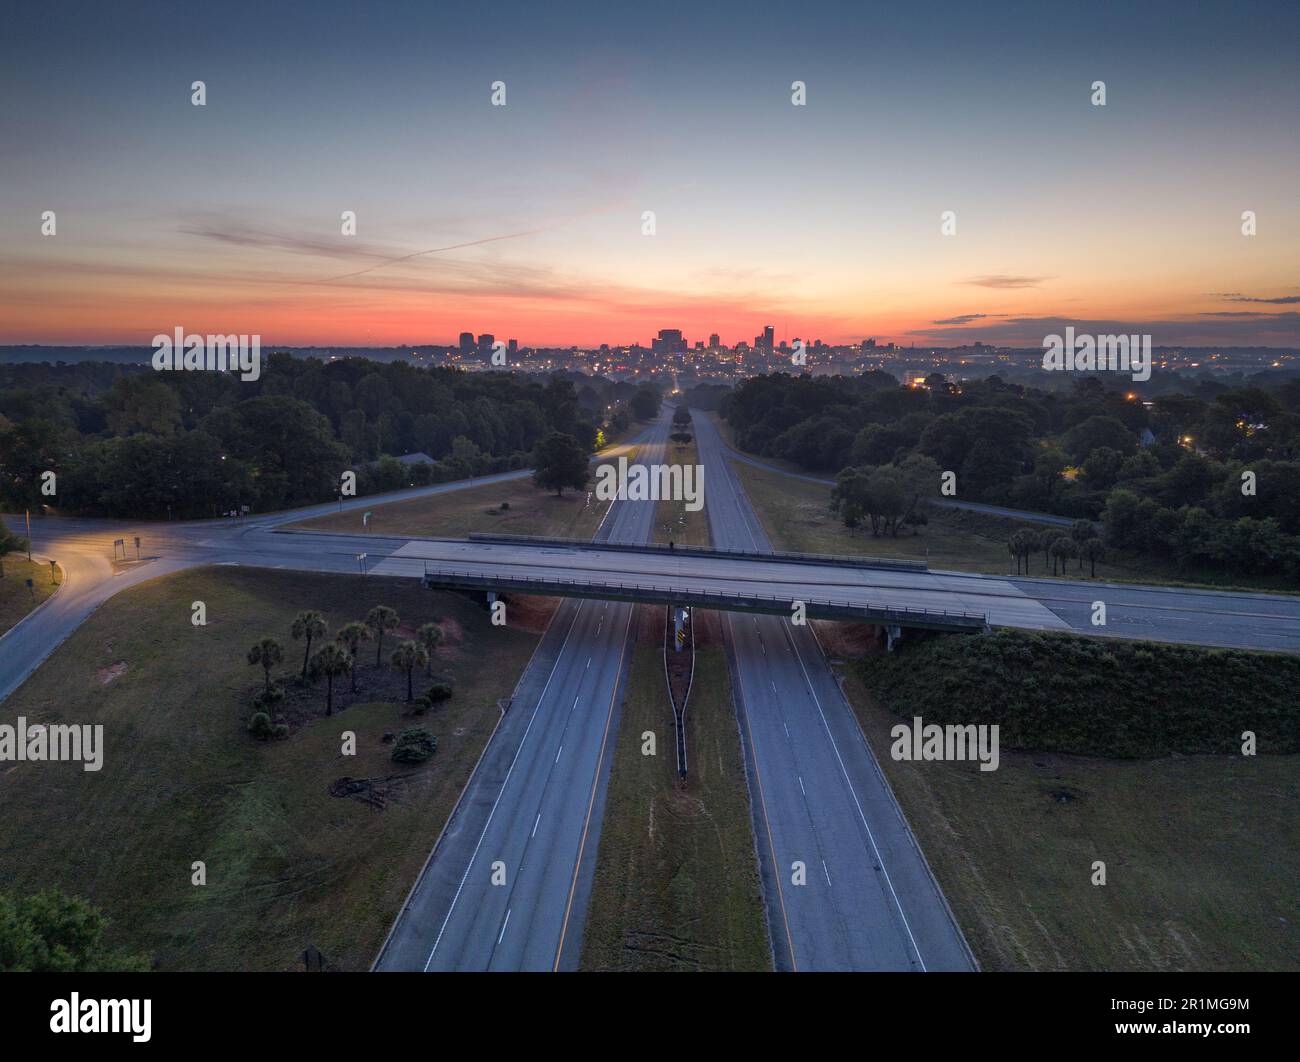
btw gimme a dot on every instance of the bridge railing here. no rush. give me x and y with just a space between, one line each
837 560
832 608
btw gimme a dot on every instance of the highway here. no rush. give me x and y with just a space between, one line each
867 900
531 814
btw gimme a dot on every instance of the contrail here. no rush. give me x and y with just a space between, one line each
431 250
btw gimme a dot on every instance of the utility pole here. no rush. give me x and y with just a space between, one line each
29 535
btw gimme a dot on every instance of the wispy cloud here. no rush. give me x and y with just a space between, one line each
1278 300
1004 280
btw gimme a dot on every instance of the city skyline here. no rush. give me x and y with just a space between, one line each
822 219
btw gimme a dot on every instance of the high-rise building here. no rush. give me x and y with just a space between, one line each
769 337
714 341
514 346
485 342
670 341
466 342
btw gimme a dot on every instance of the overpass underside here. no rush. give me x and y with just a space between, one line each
722 600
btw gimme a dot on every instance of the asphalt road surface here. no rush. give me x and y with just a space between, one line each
508 884
845 885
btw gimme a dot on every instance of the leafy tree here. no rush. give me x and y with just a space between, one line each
309 624
407 657
9 543
430 637
352 635
645 402
50 932
268 652
559 462
1082 530
330 660
379 619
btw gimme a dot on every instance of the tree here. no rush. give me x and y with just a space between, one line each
379 619
352 635
645 402
430 637
1045 541
1021 545
330 660
268 653
407 657
558 462
53 933
1063 549
309 624
1091 550
9 543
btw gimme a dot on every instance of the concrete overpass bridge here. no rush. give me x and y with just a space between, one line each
884 592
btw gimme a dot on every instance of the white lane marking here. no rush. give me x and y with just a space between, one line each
853 793
772 684
557 755
588 667
787 730
574 704
826 872
501 792
801 788
503 927
539 819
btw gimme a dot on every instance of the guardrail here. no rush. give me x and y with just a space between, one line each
702 551
818 608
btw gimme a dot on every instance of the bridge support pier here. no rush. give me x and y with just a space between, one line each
893 633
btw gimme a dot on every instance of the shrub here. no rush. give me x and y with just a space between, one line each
439 691
268 699
414 746
259 725
505 505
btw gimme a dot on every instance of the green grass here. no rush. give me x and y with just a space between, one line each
528 511
797 518
15 599
676 884
673 522
1199 854
287 863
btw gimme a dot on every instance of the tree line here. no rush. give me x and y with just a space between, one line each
126 441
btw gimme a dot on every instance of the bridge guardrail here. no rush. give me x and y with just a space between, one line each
828 607
702 551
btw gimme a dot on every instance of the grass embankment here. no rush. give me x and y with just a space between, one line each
673 522
676 884
1199 850
514 507
287 863
16 600
797 517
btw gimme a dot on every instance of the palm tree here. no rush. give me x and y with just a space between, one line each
1092 549
331 660
379 619
1063 549
352 635
407 657
268 653
430 636
309 624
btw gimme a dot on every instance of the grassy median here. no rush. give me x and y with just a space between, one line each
676 883
288 864
673 521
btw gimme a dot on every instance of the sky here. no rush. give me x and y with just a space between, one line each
526 220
